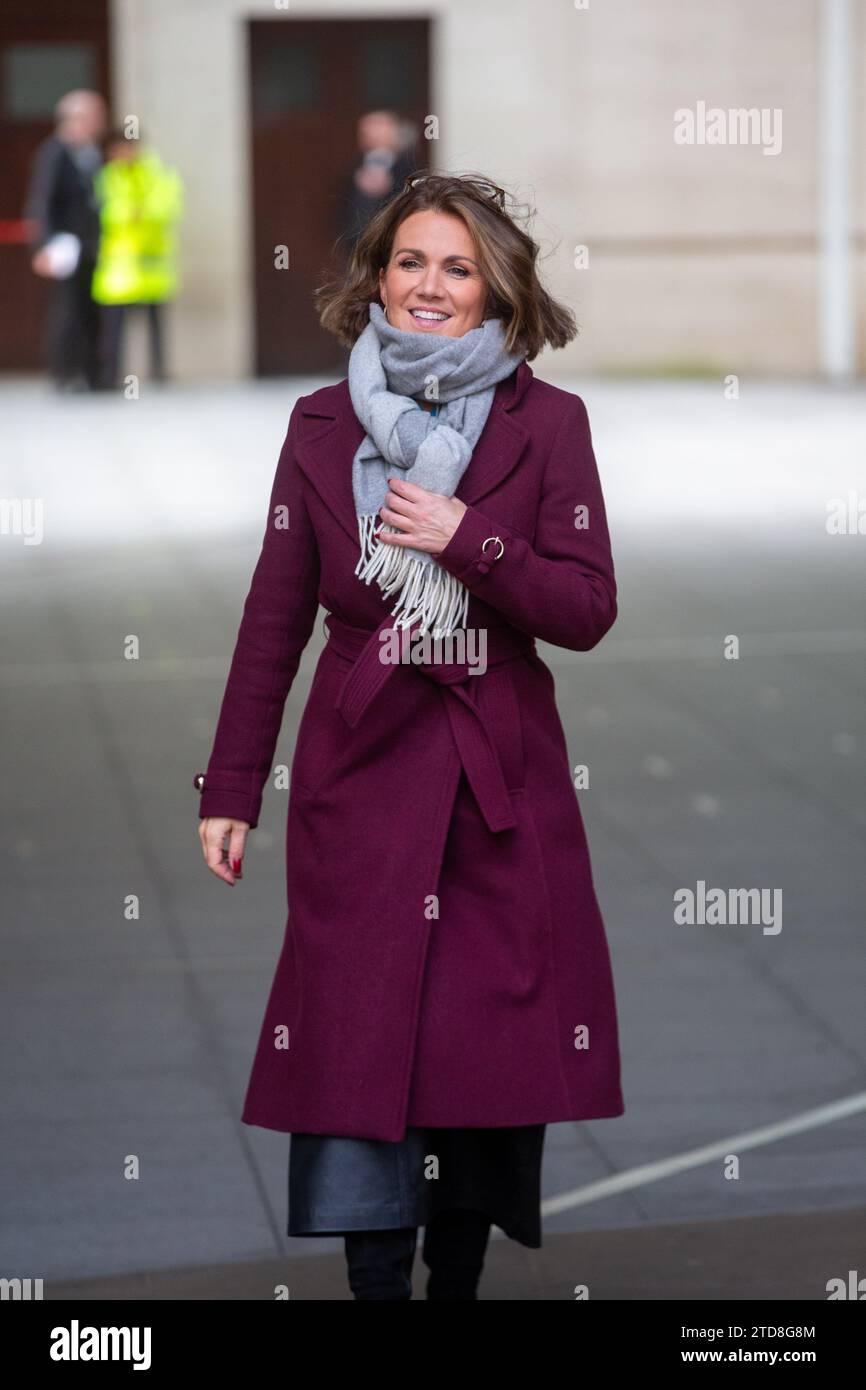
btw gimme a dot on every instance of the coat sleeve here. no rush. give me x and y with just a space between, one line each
562 588
39 203
277 621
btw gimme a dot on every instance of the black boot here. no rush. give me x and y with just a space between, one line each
455 1243
380 1263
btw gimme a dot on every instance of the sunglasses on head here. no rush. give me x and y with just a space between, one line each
482 186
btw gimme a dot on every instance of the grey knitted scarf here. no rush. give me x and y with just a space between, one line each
388 366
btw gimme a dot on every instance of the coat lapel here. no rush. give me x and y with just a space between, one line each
325 457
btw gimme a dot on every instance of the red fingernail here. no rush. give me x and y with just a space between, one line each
236 866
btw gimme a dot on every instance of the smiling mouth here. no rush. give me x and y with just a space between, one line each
429 315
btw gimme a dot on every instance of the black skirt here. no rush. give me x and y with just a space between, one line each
341 1184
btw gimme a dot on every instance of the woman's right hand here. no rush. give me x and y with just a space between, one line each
212 831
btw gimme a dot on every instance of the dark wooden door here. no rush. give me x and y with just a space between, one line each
310 80
46 49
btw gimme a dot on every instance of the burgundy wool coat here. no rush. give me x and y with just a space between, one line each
444 960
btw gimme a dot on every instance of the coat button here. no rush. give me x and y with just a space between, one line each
198 781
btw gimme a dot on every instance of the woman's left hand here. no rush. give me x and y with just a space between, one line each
425 520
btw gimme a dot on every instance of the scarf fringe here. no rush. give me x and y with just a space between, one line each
426 590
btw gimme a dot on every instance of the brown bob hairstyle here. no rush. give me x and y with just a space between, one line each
506 255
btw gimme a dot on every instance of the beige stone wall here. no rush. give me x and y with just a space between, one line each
699 256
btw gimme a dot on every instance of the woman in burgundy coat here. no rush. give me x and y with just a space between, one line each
444 988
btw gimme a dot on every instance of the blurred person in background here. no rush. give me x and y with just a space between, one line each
387 144
62 210
444 963
141 203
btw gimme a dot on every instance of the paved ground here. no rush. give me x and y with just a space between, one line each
772 1258
136 1037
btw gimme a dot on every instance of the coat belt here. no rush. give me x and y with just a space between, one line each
475 746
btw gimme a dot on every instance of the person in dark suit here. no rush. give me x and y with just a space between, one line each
62 210
387 146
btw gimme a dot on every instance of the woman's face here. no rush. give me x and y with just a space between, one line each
433 268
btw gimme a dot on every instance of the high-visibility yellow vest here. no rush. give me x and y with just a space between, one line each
141 202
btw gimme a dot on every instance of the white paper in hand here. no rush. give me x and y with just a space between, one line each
63 251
